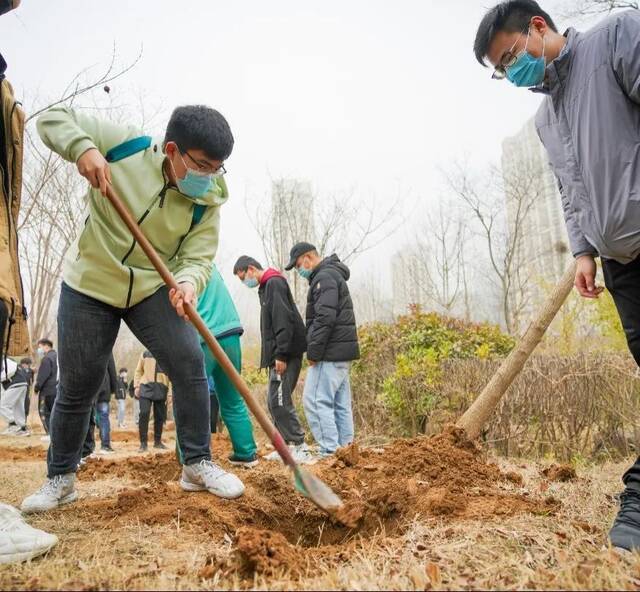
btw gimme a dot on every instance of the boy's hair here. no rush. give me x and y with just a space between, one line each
511 16
198 127
26 361
122 370
46 342
243 263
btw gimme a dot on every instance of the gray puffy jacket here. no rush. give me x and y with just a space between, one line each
590 125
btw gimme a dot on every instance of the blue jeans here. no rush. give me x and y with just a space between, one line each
122 406
87 330
327 405
104 424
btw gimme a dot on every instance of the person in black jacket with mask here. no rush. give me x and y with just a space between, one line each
332 344
46 385
283 344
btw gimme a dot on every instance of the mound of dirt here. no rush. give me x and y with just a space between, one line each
28 453
560 473
442 476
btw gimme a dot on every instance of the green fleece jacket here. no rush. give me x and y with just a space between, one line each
105 262
217 309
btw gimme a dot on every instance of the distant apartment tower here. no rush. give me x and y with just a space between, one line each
545 245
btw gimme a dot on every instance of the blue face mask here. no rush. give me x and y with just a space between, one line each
303 272
527 71
250 282
195 184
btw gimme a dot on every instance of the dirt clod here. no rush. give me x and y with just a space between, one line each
560 473
265 552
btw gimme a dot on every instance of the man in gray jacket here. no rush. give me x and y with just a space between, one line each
589 122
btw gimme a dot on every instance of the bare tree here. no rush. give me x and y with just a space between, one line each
589 8
335 224
53 204
502 229
441 272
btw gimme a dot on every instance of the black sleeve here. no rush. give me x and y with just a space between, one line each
282 317
44 372
325 304
113 377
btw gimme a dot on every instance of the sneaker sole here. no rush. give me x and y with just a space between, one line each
189 486
246 465
41 549
67 499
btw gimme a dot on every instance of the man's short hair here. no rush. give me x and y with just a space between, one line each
511 16
243 263
122 370
46 342
198 127
26 361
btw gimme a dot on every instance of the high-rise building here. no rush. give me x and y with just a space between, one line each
544 244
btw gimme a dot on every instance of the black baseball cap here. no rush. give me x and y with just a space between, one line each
298 250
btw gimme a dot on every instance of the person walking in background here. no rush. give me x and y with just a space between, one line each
12 403
151 389
217 310
121 396
103 401
283 344
46 382
332 344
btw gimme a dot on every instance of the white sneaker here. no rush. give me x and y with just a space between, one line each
22 433
10 430
273 456
55 492
303 455
46 438
18 540
208 475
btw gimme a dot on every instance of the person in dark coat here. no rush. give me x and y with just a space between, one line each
283 345
121 396
332 344
46 385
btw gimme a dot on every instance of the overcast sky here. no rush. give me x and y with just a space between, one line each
353 95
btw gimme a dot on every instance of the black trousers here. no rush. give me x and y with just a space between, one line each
45 405
89 444
159 417
280 401
4 317
623 282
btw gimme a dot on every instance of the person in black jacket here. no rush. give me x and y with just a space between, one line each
46 381
332 344
103 400
283 344
121 396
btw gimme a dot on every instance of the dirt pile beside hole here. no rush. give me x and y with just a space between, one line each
444 477
16 453
560 473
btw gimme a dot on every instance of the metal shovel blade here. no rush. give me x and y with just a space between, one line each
317 491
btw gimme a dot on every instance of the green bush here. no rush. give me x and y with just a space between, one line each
401 367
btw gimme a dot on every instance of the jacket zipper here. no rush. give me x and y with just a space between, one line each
161 197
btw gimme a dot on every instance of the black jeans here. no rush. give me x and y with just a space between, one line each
87 330
4 317
89 444
159 417
623 282
280 401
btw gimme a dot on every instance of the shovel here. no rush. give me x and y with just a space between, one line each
306 483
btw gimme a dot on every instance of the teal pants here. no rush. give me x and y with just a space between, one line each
233 409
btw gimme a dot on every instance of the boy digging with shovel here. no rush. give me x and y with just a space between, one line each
174 188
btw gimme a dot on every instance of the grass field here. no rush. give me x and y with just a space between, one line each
133 528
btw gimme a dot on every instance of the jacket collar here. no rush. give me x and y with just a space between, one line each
557 71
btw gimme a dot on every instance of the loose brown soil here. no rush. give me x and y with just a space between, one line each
274 528
28 453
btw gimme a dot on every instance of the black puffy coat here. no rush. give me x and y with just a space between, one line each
331 323
281 326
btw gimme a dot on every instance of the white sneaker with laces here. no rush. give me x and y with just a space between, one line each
18 540
55 492
208 475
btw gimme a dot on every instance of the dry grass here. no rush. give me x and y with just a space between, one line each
564 551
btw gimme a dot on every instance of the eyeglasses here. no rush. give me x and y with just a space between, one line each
205 167
507 60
